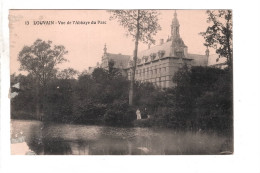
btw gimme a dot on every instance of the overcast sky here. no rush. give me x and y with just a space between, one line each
85 43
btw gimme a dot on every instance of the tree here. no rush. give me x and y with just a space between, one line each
60 100
40 60
68 73
203 98
142 25
23 104
219 34
100 75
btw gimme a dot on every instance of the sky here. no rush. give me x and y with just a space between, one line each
85 42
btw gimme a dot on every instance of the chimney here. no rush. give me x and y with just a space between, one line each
161 41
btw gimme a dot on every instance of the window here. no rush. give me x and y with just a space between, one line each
166 69
129 75
163 84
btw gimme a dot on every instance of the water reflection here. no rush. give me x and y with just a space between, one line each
56 146
108 141
60 139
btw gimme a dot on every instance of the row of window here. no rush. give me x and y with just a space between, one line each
147 71
158 79
162 84
150 69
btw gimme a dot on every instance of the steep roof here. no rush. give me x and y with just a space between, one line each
199 60
155 49
175 21
119 59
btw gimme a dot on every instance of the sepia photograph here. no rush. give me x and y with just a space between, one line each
121 82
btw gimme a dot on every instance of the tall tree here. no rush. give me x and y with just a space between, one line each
219 35
142 25
68 73
40 60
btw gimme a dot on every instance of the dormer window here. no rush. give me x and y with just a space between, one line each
139 61
130 63
153 56
145 59
179 54
161 53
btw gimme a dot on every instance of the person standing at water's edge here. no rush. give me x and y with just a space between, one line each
138 114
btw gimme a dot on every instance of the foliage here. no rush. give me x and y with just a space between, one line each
85 100
220 35
215 106
59 101
119 113
88 112
40 61
144 22
142 25
201 100
23 105
41 58
147 97
68 73
86 87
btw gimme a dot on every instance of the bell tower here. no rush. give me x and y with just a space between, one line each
175 27
179 49
104 62
105 48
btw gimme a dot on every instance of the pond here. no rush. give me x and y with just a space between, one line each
34 137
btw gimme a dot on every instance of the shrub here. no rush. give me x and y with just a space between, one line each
119 113
88 112
143 123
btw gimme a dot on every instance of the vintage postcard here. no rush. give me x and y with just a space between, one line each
121 82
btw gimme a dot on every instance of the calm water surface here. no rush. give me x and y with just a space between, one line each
59 139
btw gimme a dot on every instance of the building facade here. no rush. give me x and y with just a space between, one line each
159 63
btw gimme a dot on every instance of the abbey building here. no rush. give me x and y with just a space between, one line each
158 64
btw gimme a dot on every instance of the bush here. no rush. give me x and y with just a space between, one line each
119 113
143 123
88 112
58 101
22 115
204 99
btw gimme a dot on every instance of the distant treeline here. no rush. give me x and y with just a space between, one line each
202 100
